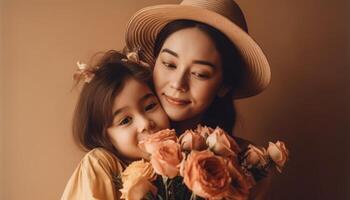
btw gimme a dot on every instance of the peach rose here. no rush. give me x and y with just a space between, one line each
221 143
139 168
278 153
148 142
191 140
241 182
204 131
166 158
137 179
255 156
207 175
182 164
137 188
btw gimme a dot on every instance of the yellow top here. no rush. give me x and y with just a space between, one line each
93 178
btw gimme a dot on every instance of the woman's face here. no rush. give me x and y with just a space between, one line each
136 111
187 74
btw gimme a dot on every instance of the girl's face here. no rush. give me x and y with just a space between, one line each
187 74
136 111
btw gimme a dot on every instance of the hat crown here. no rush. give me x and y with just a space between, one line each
226 8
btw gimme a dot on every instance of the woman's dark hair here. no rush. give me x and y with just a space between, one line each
93 112
222 111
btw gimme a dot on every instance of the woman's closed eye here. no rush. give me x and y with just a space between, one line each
169 65
200 75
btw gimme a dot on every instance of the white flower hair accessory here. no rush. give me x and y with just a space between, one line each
84 72
133 56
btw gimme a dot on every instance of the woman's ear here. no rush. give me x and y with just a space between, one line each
223 91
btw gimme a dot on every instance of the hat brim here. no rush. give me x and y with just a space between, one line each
145 25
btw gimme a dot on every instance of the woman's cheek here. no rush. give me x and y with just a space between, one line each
202 89
158 78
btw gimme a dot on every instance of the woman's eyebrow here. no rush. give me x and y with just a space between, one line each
165 50
202 62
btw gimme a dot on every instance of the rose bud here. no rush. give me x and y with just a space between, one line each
221 143
278 153
191 140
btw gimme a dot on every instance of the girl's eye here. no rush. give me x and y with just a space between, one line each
150 106
169 65
125 121
200 75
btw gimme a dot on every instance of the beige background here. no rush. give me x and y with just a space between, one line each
306 105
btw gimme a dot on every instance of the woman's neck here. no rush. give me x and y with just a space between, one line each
182 126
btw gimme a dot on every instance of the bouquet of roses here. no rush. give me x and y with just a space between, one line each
204 163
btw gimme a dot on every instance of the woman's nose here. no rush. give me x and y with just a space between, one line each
179 82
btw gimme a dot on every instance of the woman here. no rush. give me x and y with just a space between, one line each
202 54
203 59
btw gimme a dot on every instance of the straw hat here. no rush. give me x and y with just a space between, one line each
224 15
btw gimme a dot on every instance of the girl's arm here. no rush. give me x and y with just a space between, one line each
93 178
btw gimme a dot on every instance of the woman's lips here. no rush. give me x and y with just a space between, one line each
176 101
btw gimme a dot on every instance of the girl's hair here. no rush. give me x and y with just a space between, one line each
222 111
93 112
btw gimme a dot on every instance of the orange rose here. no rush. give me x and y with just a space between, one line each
256 156
138 188
241 182
221 143
148 142
166 158
278 153
204 131
137 179
207 175
191 140
139 168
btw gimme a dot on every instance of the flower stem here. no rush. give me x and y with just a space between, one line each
193 196
165 179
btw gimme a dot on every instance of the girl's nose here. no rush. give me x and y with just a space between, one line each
146 125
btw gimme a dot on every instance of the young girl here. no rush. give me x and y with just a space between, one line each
115 107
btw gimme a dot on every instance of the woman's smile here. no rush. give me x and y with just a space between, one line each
176 101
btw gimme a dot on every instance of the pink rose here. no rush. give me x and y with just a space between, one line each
191 140
149 142
166 158
221 143
207 175
278 153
